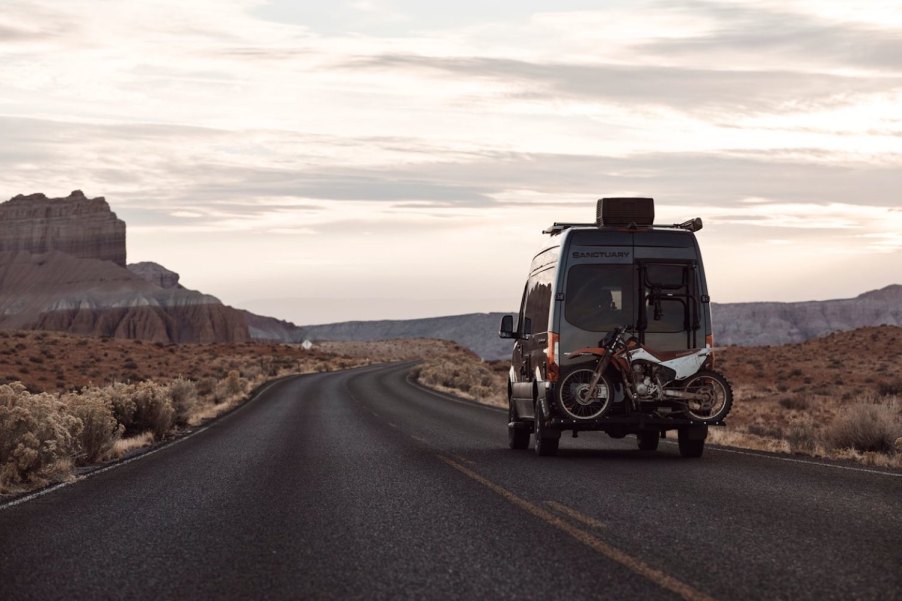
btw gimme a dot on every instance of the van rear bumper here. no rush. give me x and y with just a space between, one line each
627 423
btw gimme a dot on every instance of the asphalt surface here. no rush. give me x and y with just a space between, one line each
358 484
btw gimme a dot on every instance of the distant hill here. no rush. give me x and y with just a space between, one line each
734 323
476 331
757 324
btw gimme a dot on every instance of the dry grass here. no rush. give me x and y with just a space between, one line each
124 446
834 396
463 373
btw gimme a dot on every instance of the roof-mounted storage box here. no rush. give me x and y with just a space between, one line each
625 211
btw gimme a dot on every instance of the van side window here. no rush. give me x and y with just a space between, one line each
546 258
522 312
600 298
538 300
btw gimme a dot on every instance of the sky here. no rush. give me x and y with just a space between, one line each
375 159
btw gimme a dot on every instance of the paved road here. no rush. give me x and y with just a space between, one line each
359 485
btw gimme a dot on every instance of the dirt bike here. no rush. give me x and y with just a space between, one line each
666 382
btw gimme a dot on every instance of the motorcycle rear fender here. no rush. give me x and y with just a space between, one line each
683 366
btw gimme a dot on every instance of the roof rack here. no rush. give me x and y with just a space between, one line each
692 225
557 228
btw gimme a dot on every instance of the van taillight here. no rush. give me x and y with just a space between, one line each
552 371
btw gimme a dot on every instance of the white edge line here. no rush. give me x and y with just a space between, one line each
764 455
793 460
107 468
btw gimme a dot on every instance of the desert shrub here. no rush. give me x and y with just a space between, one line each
765 430
798 403
463 374
99 431
183 394
802 435
252 371
153 409
37 434
205 387
229 387
890 388
867 427
121 402
234 383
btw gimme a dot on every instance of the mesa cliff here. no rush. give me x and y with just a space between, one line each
76 225
63 268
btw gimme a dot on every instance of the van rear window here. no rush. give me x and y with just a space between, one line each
600 297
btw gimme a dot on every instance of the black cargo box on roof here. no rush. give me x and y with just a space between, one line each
625 211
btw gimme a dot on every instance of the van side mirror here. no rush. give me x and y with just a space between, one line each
507 327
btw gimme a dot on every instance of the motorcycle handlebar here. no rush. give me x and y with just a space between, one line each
616 334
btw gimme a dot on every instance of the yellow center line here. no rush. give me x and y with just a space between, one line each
576 515
662 579
462 458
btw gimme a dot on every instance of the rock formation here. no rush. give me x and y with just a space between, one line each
56 291
155 274
76 225
62 267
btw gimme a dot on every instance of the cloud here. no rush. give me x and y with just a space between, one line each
785 33
203 117
171 168
690 90
16 34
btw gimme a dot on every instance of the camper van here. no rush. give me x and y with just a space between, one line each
620 276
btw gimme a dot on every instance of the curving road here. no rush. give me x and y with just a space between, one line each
358 484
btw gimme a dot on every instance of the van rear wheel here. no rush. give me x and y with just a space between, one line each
517 431
648 440
692 441
547 441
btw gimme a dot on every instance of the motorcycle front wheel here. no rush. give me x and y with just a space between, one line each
576 400
715 397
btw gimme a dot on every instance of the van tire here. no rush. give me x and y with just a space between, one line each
648 440
546 443
517 438
691 446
